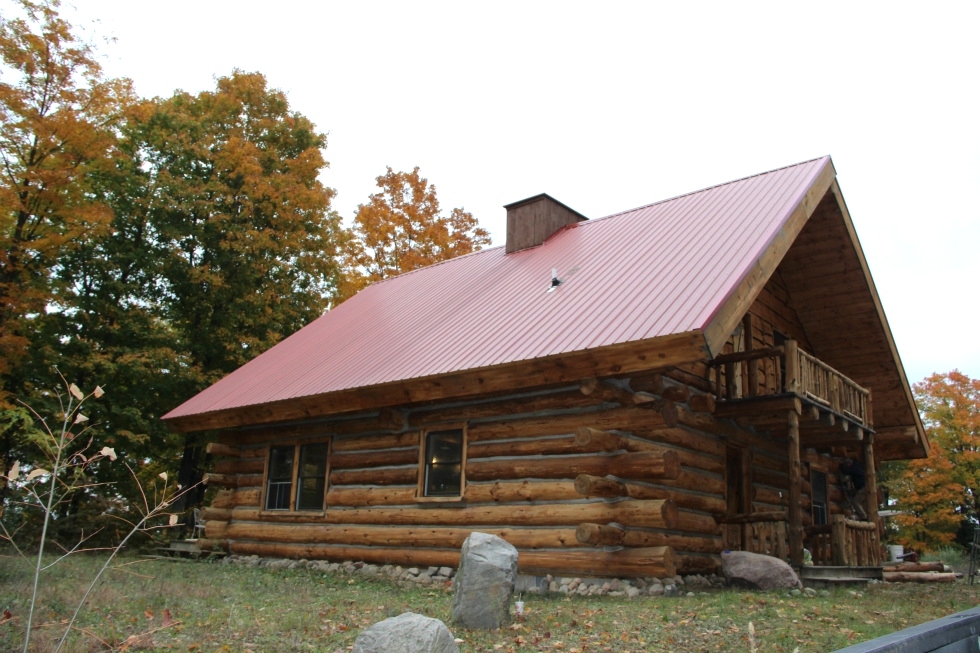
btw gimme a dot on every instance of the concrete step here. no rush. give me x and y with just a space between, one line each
815 571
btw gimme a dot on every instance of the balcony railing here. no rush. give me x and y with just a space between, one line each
789 369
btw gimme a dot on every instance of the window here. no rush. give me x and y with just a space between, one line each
303 466
442 460
818 500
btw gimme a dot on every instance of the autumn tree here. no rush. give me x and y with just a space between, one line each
57 113
940 495
402 228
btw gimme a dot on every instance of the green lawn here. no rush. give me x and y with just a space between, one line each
201 606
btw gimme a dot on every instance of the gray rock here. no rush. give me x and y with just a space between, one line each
671 590
485 582
406 633
757 571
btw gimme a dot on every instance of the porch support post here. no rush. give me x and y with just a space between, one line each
795 509
870 480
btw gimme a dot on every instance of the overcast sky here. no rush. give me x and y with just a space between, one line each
608 106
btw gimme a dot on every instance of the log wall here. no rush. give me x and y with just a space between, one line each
620 478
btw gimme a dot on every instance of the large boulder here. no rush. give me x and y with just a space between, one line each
406 633
485 582
757 571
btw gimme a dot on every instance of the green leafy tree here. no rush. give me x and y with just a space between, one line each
223 243
58 117
402 228
939 496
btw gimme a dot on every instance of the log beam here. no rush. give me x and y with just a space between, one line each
600 534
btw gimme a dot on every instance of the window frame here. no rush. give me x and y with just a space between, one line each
821 469
424 465
294 486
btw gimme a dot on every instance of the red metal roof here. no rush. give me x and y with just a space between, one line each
656 270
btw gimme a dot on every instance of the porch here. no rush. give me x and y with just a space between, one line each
798 399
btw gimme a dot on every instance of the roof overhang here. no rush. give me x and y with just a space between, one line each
623 358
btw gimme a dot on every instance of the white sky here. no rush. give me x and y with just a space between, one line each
608 106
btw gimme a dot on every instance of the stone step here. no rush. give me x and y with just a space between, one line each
828 583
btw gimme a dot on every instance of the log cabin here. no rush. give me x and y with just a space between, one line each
623 396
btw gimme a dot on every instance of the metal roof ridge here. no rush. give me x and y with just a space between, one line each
707 188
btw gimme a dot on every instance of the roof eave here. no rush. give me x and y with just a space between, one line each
622 358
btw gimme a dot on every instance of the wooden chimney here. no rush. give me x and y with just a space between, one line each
532 221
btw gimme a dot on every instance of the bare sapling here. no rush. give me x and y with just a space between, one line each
71 456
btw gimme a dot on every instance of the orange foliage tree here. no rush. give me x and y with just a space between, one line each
57 114
939 495
402 228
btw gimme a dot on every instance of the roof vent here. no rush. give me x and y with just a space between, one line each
532 221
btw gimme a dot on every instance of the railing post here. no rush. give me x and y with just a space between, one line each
792 366
870 481
868 416
838 540
795 508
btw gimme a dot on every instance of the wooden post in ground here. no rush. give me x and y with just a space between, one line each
795 507
870 480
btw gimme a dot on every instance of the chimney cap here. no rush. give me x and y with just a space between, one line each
542 196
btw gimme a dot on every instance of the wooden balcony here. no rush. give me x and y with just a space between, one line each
759 387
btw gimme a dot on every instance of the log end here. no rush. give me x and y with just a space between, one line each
670 414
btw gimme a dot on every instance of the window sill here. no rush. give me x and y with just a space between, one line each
431 500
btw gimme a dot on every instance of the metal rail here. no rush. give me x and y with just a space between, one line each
957 633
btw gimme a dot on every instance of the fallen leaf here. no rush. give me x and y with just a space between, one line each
167 617
148 613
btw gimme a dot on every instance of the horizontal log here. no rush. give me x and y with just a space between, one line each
679 543
590 439
753 517
218 449
385 420
383 476
915 567
215 529
600 534
353 460
592 387
638 420
521 490
656 562
226 480
375 442
608 488
371 496
679 393
564 399
239 497
924 577
217 514
702 403
698 564
651 514
634 465
693 522
250 480
394 536
239 466
549 446
627 562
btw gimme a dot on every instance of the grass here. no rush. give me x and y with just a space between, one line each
205 607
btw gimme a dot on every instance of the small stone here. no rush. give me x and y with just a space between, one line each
795 592
678 581
414 571
809 591
632 592
671 590
446 571
553 586
689 594
655 590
